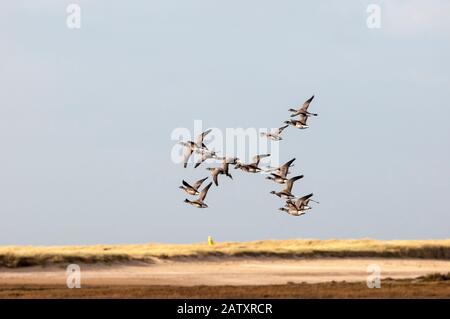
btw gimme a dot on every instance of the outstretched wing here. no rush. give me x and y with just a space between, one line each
225 167
199 183
290 204
281 129
303 118
186 184
291 181
257 158
285 168
204 192
199 140
203 158
305 105
187 153
300 202
215 176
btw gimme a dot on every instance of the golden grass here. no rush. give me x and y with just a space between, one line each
19 256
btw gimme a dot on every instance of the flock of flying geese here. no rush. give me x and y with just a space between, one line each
294 206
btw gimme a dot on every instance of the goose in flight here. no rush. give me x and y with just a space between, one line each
205 154
216 171
199 140
300 123
303 109
275 135
280 173
191 146
230 160
291 209
299 207
252 167
193 190
303 202
199 202
287 192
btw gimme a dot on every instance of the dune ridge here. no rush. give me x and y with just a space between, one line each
22 256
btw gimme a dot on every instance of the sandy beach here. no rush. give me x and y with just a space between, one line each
238 271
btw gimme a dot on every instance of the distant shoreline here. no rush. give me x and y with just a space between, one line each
25 256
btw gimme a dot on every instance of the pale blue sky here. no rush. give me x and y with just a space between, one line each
86 117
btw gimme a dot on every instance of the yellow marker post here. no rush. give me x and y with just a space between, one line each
210 241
